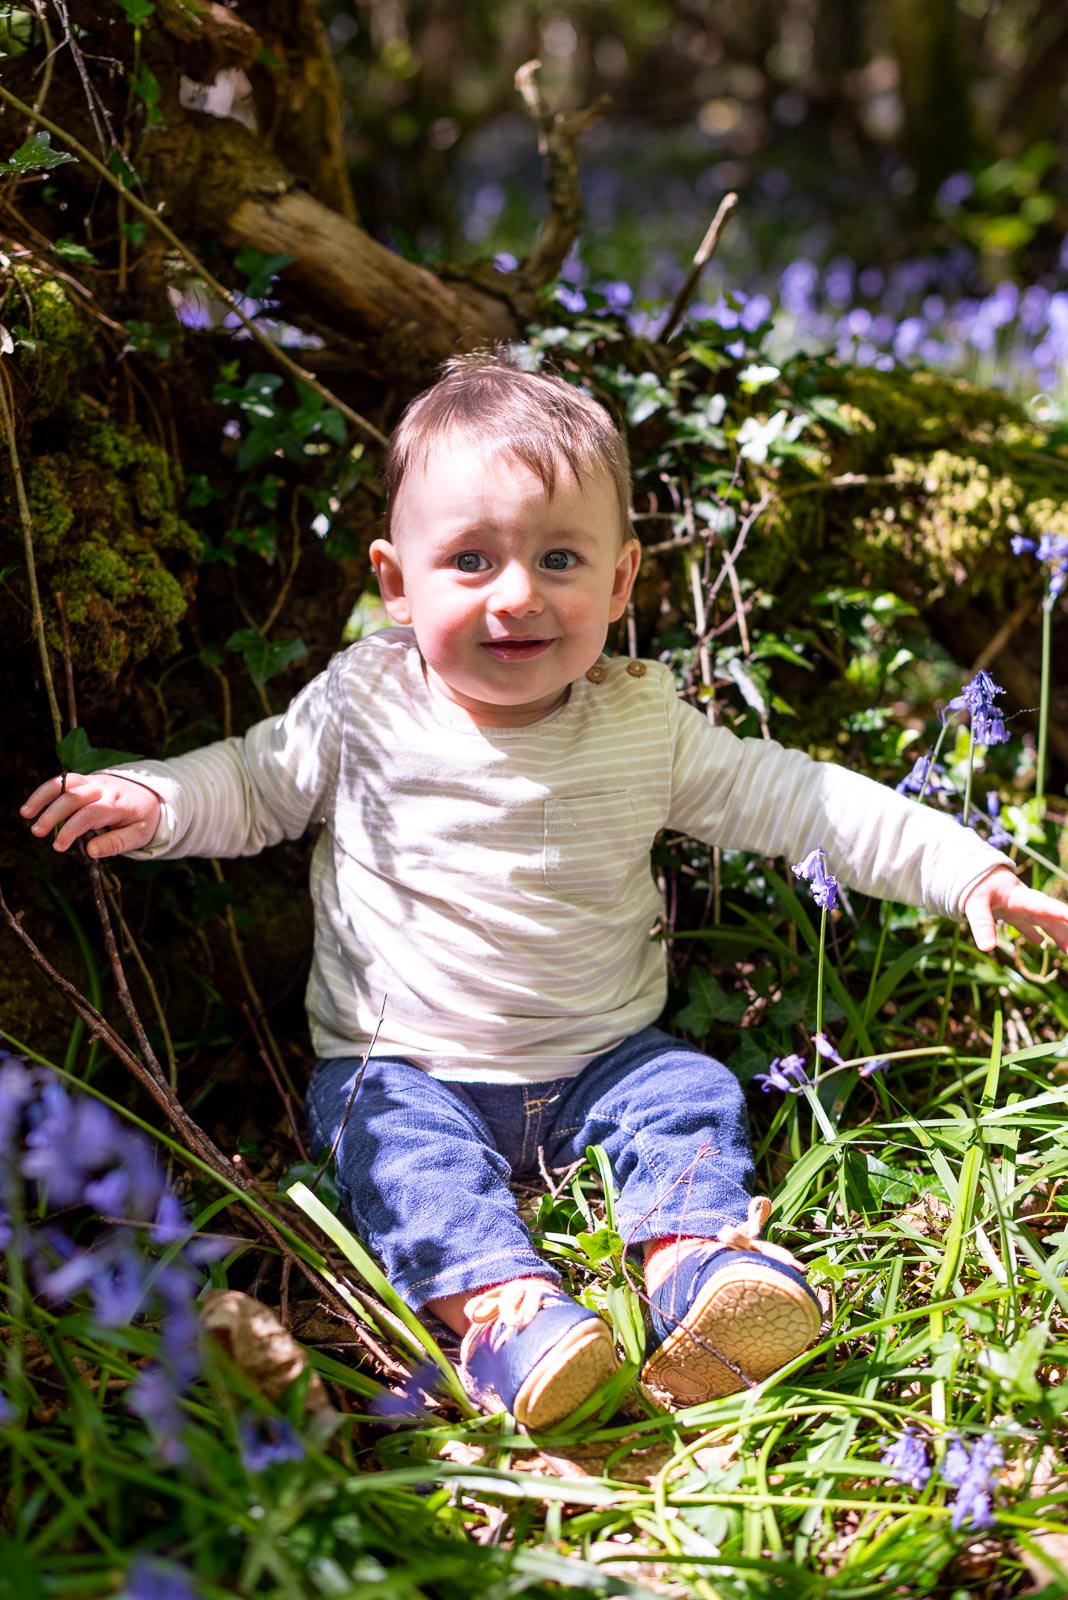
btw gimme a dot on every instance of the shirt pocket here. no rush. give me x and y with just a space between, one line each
591 841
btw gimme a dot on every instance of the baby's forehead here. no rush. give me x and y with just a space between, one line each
547 458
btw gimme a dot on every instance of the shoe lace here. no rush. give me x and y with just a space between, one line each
510 1306
746 1235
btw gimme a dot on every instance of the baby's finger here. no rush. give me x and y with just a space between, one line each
41 796
117 840
981 922
85 819
65 805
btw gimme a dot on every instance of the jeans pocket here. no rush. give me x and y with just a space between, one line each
591 841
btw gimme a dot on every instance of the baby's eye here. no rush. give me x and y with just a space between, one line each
470 561
559 560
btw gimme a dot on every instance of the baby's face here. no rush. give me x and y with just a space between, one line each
510 591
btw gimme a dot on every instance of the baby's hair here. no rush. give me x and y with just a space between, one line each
530 417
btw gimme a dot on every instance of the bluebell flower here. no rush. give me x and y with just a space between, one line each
974 1474
868 1069
8 1412
572 300
267 1441
618 295
925 777
788 1075
907 1459
80 1154
825 1048
157 1580
999 836
814 870
155 1396
406 1403
1052 550
977 698
16 1091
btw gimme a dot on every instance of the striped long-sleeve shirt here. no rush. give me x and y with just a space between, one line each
489 890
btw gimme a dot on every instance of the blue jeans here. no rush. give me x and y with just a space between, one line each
423 1166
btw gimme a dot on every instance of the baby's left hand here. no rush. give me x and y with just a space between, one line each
1001 897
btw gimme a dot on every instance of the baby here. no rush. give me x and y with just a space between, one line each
484 990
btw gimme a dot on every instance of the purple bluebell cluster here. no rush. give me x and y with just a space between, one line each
813 869
1052 551
74 1152
407 1402
267 1441
157 1580
906 1457
978 698
999 836
973 1472
925 778
787 1074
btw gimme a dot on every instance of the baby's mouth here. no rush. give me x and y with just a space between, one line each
515 649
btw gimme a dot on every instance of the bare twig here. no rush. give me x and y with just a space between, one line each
332 1152
705 251
253 993
558 134
272 1073
154 220
294 562
41 13
8 421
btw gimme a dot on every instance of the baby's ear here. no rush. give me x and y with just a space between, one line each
627 562
390 575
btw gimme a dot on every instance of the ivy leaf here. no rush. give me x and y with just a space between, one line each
757 376
71 250
707 1003
136 11
146 88
76 754
264 658
259 269
647 396
36 155
750 691
600 1245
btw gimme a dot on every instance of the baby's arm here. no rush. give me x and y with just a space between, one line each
127 811
1001 897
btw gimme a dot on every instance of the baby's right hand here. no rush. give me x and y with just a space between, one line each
127 811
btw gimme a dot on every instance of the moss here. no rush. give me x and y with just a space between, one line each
946 475
108 535
51 512
104 571
52 342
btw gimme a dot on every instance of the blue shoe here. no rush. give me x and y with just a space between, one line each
535 1352
723 1319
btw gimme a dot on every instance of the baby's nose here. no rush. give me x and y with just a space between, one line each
516 590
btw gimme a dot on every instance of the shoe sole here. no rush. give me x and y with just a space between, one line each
756 1317
566 1376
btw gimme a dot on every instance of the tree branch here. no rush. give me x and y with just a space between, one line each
558 135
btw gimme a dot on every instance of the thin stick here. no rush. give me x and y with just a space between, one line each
31 565
287 1103
154 220
253 993
705 251
332 1152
